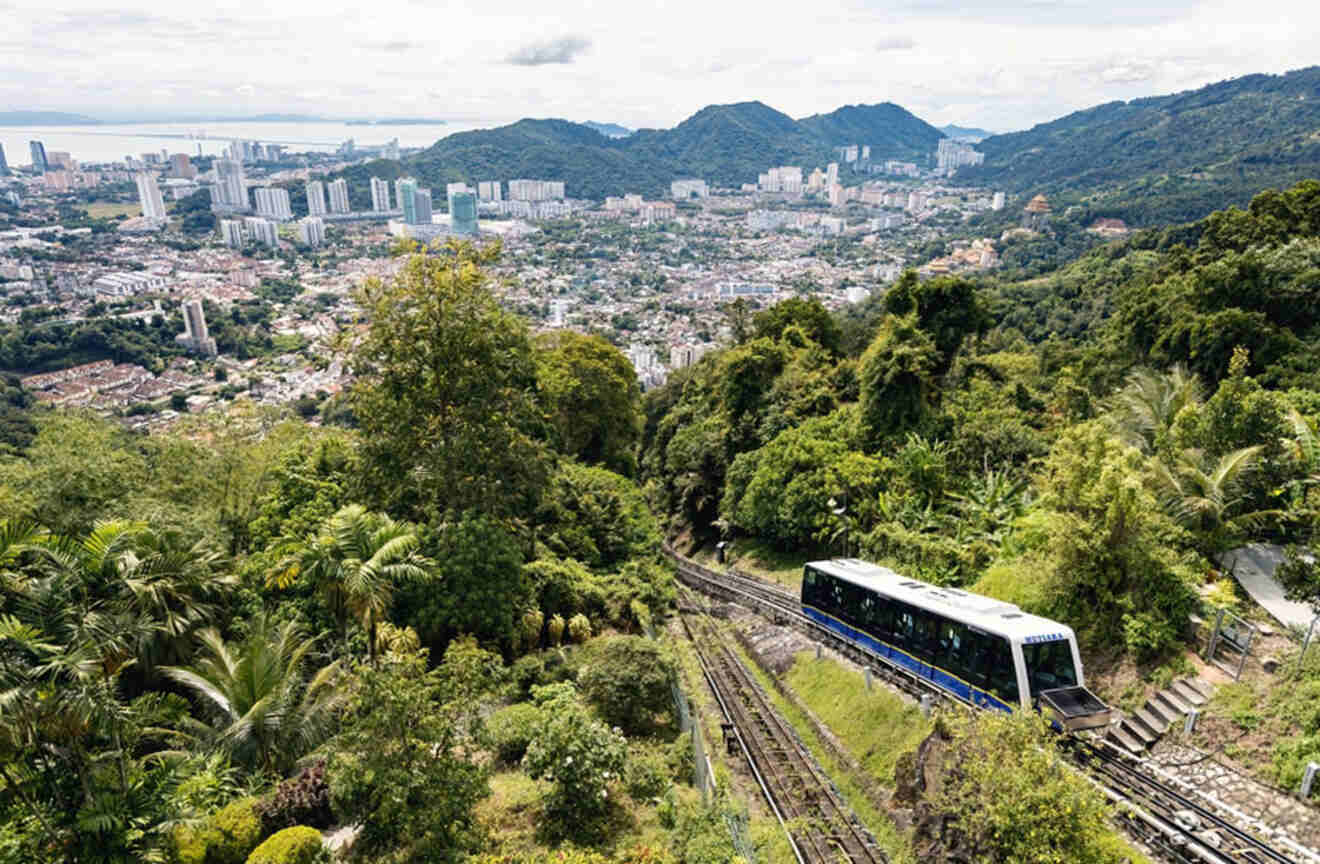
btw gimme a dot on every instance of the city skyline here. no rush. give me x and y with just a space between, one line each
1001 66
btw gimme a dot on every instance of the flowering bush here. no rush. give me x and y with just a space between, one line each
576 753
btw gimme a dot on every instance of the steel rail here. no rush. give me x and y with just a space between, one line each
1150 807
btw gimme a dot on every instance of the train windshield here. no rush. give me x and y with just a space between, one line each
1049 665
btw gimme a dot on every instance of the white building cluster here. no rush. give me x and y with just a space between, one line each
684 189
273 203
786 179
951 155
778 220
536 190
128 284
489 190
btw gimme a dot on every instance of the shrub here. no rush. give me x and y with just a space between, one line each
555 630
297 845
301 800
511 729
646 777
531 623
227 837
681 759
579 628
579 755
628 680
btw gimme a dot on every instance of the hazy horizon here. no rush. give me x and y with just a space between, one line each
986 63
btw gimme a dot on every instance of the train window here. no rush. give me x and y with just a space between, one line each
1049 665
1001 672
882 617
979 647
954 648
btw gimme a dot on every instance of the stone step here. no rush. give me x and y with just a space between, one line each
1119 736
1190 694
1174 701
1143 717
1139 730
1200 685
1160 710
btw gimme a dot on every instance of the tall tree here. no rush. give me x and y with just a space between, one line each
591 394
446 392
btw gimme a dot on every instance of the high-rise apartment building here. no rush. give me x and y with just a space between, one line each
4 166
39 156
273 203
311 231
262 231
339 196
181 166
153 206
195 335
997 203
463 212
405 194
231 231
380 195
230 186
315 198
62 159
422 206
489 190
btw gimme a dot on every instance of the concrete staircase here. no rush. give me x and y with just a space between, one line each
1140 730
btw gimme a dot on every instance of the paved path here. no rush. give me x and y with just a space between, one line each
1253 566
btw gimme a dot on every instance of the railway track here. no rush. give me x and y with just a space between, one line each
820 827
1171 819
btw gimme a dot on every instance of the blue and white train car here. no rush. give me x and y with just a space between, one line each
983 651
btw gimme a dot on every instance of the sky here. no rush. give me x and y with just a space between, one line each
987 63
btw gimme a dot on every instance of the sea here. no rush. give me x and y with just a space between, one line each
109 142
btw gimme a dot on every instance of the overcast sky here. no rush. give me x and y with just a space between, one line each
990 63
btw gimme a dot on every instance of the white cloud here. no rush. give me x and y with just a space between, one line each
896 43
995 63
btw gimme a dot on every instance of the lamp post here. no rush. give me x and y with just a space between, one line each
840 511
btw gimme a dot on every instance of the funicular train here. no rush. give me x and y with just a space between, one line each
979 650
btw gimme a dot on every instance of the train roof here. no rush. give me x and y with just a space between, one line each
984 613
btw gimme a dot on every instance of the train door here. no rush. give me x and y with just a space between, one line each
1020 673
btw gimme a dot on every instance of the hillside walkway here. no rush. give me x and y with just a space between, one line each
1253 566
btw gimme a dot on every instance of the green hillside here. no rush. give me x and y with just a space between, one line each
725 144
1168 158
891 130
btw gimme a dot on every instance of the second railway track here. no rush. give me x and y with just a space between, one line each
820 827
1169 819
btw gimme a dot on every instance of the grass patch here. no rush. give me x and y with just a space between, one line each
763 560
837 700
109 210
876 726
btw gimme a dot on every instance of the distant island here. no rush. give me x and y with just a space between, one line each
45 118
397 121
609 130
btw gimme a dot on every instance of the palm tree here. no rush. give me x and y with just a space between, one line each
262 709
1145 408
1201 493
356 561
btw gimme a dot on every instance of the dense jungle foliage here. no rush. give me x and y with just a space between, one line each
1084 444
217 640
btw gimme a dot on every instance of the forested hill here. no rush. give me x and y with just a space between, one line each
724 144
1169 158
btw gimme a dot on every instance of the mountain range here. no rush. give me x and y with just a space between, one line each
1168 158
44 118
726 145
